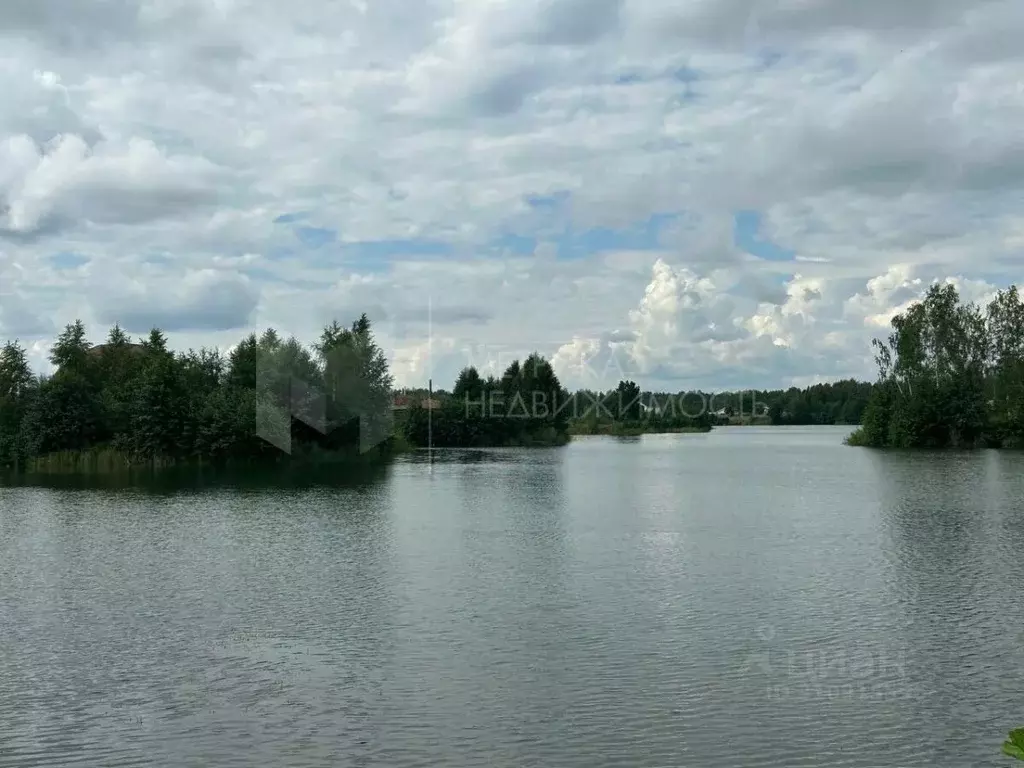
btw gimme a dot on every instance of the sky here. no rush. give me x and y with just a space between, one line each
689 193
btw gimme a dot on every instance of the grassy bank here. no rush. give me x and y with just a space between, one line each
105 460
547 437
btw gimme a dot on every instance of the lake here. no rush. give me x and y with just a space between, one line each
754 596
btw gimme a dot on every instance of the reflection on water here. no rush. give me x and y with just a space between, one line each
183 479
752 596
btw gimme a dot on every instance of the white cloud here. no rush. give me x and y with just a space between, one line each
207 299
677 307
64 183
886 296
160 140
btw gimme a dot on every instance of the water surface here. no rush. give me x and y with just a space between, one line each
748 597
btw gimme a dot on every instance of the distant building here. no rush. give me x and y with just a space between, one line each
99 349
405 402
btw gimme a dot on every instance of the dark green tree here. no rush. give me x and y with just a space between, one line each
17 388
627 401
159 404
1006 367
357 385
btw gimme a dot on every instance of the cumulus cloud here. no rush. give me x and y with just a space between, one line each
65 182
885 296
596 363
678 307
562 176
205 300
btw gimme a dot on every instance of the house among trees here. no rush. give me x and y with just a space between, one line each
99 349
405 402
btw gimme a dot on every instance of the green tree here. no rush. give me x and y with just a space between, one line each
627 401
526 406
67 414
17 387
244 364
158 406
357 385
150 404
117 373
70 353
931 388
1006 367
201 375
469 386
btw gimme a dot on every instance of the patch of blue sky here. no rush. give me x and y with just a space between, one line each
68 260
571 243
515 244
747 237
642 236
316 237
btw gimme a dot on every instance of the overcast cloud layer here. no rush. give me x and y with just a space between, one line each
689 192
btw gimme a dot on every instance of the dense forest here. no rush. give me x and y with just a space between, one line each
839 402
521 409
526 406
950 374
128 404
529 406
628 410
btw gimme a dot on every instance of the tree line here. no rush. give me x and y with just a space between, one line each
526 406
838 402
841 402
950 374
521 408
141 403
629 410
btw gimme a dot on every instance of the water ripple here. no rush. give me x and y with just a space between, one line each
664 603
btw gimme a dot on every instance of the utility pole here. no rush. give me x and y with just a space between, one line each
430 383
